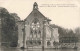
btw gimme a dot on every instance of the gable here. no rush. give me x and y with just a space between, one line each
35 14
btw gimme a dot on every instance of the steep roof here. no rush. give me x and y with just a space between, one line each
36 13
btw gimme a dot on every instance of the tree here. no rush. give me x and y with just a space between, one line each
77 33
8 26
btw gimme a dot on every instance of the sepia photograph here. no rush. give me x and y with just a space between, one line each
39 25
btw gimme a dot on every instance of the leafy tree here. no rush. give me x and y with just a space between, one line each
8 26
65 35
77 33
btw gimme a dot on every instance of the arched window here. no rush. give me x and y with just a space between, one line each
35 28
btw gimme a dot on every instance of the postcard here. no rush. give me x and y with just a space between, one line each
44 25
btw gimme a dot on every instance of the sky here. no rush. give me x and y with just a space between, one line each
65 13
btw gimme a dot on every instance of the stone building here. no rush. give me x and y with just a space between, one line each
35 31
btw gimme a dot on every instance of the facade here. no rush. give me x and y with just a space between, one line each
35 31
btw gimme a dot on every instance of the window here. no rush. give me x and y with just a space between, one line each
35 28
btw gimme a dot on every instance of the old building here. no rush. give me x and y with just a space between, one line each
35 31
